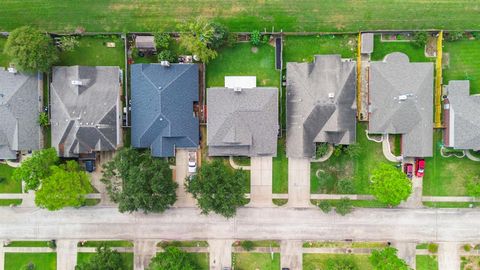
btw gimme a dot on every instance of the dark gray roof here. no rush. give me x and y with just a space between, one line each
464 124
19 110
320 104
367 43
242 122
401 102
162 107
86 117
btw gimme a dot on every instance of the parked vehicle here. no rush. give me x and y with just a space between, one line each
192 162
90 165
420 167
408 169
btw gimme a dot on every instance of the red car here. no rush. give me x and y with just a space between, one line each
408 169
420 167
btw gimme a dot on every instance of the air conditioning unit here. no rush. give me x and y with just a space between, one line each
12 70
77 82
164 63
331 95
237 89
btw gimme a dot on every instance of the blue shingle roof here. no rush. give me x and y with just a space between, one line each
162 107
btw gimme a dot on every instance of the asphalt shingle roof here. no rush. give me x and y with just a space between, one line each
464 125
19 128
87 117
162 107
242 123
320 104
401 102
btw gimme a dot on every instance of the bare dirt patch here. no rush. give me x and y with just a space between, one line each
431 47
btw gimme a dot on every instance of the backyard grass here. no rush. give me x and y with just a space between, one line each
446 176
343 166
251 261
381 49
426 262
118 243
29 244
280 169
464 63
239 60
319 261
43 261
240 15
4 60
303 48
8 185
85 257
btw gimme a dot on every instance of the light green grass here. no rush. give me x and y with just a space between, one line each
201 260
28 244
319 261
344 244
43 261
4 59
240 15
446 176
415 54
426 262
127 258
344 167
183 244
8 185
118 243
91 202
464 63
252 261
357 203
280 169
8 202
239 60
304 48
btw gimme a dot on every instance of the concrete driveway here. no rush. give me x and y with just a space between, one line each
299 182
184 198
261 182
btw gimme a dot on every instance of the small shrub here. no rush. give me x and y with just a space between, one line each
52 244
467 247
247 245
265 39
337 151
43 119
325 206
420 39
345 186
344 206
353 150
454 35
231 39
166 55
29 266
2 179
68 43
255 37
322 149
476 35
432 247
162 41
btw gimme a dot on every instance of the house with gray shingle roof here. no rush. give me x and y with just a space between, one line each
242 121
401 102
163 99
462 116
85 110
19 112
320 104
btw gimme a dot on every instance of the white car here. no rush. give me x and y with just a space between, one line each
192 162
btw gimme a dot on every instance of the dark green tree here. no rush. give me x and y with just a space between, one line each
325 206
137 181
344 206
390 185
247 245
218 188
66 186
31 50
172 258
162 41
36 168
420 39
341 264
166 55
104 259
387 259
255 38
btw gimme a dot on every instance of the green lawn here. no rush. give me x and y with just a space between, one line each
239 60
426 262
241 15
8 185
252 261
119 243
451 204
183 244
280 169
8 202
29 244
342 166
201 259
344 244
260 243
242 161
4 60
381 49
318 261
303 48
85 257
43 261
464 63
446 176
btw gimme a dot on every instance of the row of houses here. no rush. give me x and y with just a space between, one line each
86 111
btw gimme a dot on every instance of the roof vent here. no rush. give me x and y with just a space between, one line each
331 95
164 63
237 89
77 82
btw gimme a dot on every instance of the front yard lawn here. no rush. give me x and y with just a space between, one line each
446 176
85 257
319 261
381 49
119 243
251 261
43 261
280 169
342 166
7 184
29 244
426 262
201 260
304 48
240 60
463 63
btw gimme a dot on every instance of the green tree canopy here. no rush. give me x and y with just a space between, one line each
386 259
104 259
172 259
218 188
36 168
137 181
66 186
31 50
341 264
344 206
390 185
